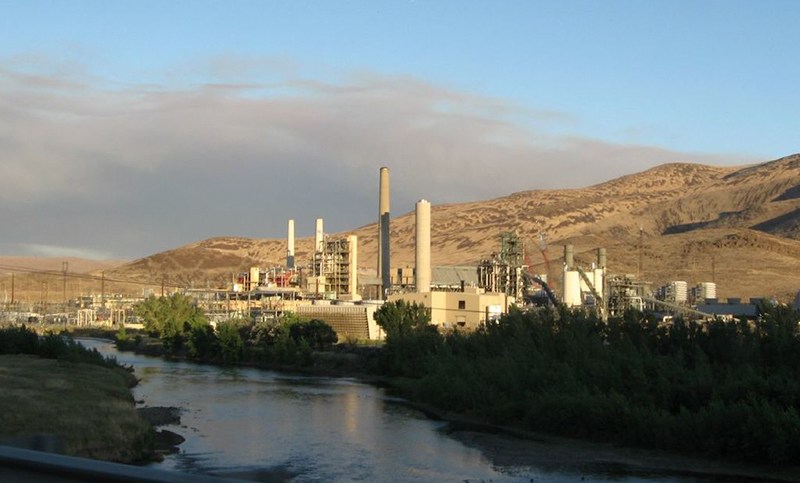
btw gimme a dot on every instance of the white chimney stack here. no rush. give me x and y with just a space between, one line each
318 237
422 253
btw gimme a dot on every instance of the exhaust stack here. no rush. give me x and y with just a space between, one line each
384 264
422 252
569 257
318 237
601 258
290 246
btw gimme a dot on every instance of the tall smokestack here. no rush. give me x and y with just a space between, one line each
422 253
290 246
601 258
318 236
384 264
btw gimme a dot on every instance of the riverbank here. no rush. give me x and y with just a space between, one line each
522 447
87 410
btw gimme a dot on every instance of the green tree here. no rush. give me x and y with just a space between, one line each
202 342
170 318
317 334
400 318
411 340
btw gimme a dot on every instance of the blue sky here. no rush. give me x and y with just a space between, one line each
609 87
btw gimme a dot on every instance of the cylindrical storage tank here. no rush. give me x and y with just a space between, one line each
569 257
572 289
599 282
318 236
422 252
290 246
255 277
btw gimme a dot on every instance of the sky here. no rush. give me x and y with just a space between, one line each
132 127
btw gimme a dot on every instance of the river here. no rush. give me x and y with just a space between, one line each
273 426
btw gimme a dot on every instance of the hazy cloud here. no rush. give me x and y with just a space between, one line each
130 171
52 251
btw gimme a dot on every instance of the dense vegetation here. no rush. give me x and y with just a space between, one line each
22 340
184 330
721 389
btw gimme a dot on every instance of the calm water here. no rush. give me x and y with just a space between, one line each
275 426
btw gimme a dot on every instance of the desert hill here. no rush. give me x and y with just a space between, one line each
76 265
739 227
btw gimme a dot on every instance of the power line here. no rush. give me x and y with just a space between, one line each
81 276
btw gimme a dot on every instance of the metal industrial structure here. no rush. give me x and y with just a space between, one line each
623 292
339 267
504 272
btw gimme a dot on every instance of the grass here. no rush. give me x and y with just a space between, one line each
89 407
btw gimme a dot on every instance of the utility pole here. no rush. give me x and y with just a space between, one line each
64 269
45 290
12 289
640 269
713 269
103 291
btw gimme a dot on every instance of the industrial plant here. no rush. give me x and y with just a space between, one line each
331 285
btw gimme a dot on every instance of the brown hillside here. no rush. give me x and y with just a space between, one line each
739 227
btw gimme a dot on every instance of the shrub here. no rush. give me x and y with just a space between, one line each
316 333
231 346
18 340
202 342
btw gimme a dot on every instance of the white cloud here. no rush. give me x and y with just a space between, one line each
164 152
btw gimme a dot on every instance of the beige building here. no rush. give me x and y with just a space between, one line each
468 309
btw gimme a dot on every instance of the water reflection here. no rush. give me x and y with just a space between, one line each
270 426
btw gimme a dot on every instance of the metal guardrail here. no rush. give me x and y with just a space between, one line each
18 464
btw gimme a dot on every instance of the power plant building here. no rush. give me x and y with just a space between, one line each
335 269
583 287
468 309
675 292
705 291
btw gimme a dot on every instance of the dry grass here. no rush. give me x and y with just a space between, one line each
89 407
